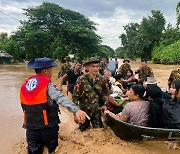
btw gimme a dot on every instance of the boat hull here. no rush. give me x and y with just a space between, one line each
127 131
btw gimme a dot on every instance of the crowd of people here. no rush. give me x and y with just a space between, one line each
94 91
138 101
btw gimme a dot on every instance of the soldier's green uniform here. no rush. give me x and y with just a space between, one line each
123 69
102 67
64 68
87 99
175 75
144 73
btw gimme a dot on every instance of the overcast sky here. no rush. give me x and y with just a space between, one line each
110 15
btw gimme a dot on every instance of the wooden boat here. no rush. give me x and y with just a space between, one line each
127 131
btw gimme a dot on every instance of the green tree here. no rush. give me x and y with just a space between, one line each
170 35
121 53
167 55
150 33
105 51
139 39
52 30
3 40
128 39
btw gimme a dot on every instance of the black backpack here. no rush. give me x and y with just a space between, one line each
171 114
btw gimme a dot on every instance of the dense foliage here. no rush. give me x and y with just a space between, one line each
105 51
52 31
151 40
121 52
167 55
139 39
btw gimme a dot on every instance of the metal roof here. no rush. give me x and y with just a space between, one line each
5 54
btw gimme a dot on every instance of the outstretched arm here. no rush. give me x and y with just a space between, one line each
118 116
62 81
56 95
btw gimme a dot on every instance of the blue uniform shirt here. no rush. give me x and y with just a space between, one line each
60 99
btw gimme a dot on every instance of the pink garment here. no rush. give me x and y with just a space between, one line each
137 112
132 78
110 106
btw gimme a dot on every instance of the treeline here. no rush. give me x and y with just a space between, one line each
151 40
53 31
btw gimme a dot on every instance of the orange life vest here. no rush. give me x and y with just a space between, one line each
38 112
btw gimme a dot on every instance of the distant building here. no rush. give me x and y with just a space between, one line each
5 58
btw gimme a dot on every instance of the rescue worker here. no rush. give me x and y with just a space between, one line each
87 98
175 75
144 72
39 101
85 68
71 75
124 67
102 66
64 66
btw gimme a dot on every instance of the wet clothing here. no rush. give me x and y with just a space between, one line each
144 73
123 69
155 113
95 120
175 75
39 138
39 99
72 78
136 112
87 99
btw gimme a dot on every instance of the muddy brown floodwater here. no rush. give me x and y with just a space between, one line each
71 140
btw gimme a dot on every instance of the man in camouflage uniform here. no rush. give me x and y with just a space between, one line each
87 99
102 66
144 71
65 66
175 75
124 67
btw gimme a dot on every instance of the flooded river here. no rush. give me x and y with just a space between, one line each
12 135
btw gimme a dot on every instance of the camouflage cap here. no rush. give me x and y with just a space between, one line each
91 60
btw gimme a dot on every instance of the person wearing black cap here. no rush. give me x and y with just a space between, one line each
124 67
91 93
39 101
